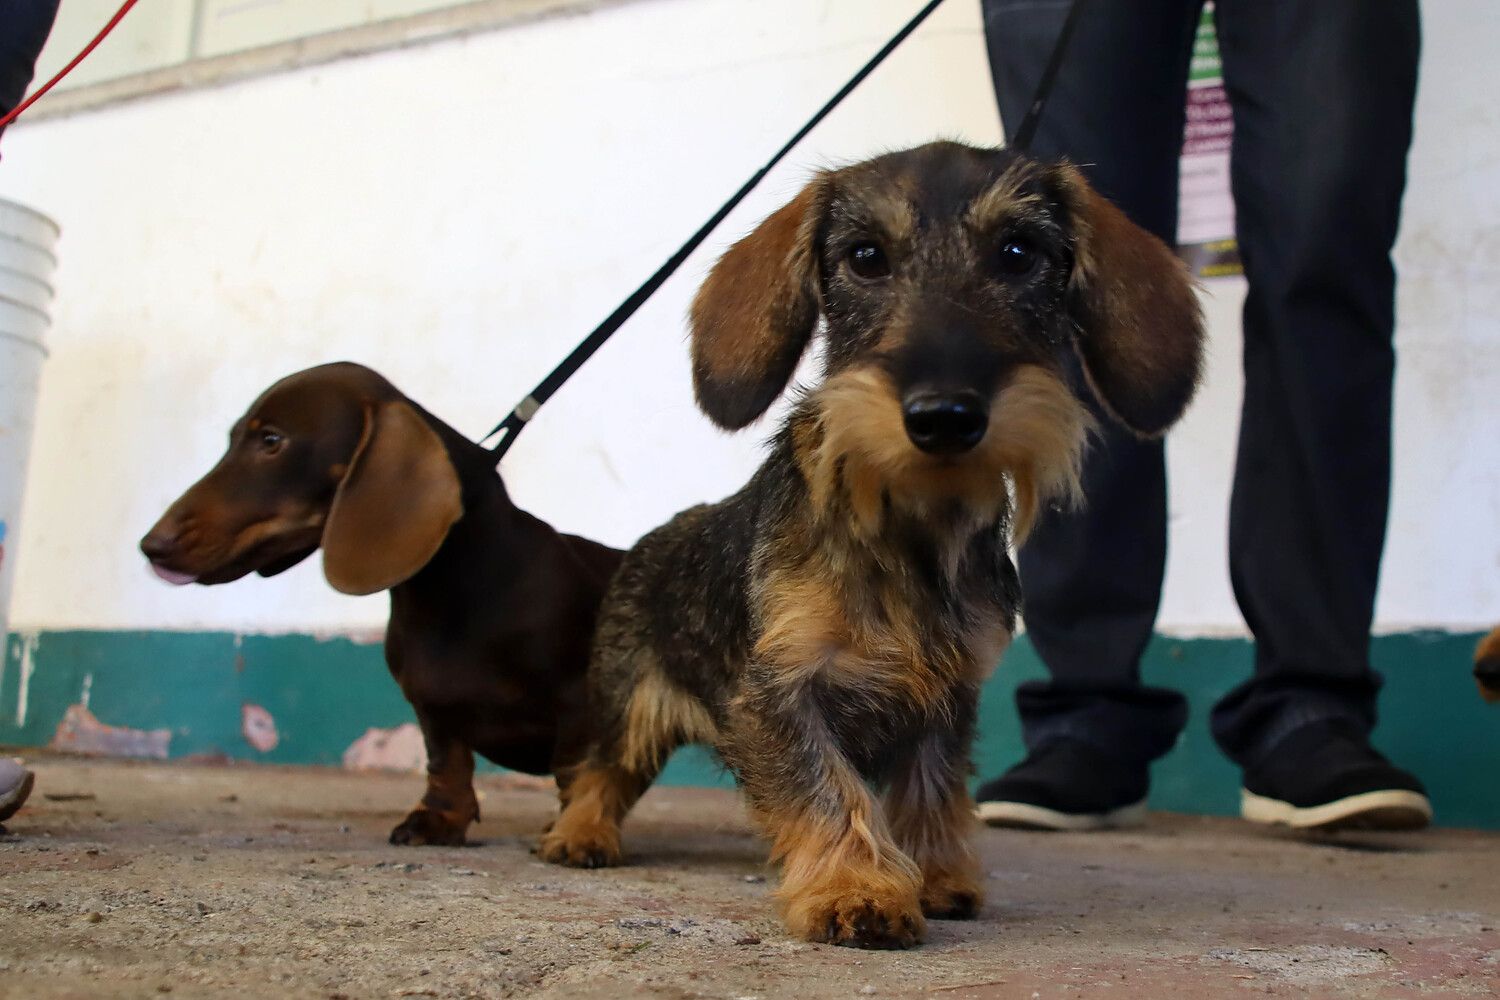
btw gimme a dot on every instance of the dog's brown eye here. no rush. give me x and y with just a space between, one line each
271 441
868 261
1017 258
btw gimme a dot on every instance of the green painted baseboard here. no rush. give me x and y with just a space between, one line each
324 693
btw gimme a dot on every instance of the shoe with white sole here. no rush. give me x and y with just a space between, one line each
1326 776
1065 785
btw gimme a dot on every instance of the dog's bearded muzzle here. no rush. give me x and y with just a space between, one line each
1022 446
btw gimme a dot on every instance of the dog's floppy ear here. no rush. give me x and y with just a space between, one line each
1140 328
394 506
755 313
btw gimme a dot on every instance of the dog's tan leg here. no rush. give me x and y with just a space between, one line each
595 798
656 718
932 818
844 880
449 806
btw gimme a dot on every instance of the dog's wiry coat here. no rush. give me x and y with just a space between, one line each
827 627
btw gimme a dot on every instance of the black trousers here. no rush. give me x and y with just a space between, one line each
1322 93
24 26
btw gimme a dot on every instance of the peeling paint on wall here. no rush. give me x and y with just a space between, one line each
526 782
397 749
325 694
28 664
80 732
258 727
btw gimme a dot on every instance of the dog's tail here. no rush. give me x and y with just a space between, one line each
1487 666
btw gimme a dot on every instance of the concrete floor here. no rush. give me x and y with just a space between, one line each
124 879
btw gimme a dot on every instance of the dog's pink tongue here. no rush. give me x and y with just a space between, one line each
173 577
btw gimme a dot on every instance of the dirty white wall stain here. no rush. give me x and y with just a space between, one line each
258 727
80 731
459 214
399 748
27 648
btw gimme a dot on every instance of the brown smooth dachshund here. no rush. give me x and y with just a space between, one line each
492 611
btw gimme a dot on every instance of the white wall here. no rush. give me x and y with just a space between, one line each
459 214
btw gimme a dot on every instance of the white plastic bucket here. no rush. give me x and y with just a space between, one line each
27 242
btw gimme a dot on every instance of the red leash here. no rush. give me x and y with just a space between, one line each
16 111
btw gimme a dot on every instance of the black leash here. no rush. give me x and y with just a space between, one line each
1021 137
516 421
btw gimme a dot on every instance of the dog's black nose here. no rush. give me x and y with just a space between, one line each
945 423
158 544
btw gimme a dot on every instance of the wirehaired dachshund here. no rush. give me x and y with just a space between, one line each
491 609
826 629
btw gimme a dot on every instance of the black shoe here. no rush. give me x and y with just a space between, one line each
1326 776
1066 785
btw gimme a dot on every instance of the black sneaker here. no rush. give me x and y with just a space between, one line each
1066 785
1326 776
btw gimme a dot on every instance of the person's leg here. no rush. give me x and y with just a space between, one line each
1092 578
24 26
1322 96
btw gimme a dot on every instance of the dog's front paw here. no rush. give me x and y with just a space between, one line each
951 897
424 826
859 920
595 848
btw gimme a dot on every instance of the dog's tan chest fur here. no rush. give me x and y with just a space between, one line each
836 604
